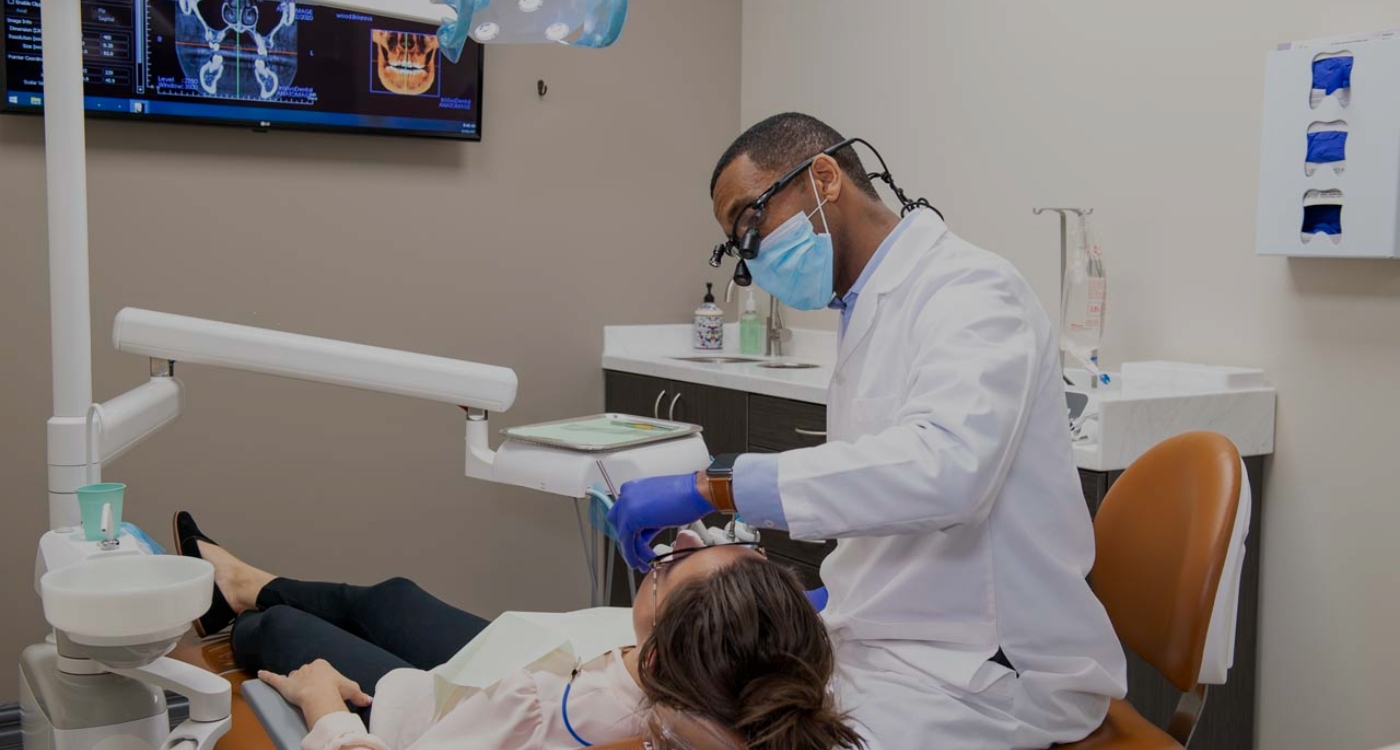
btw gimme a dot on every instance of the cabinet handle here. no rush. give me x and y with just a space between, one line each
671 415
809 433
656 407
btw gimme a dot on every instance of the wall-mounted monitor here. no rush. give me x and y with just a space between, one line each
264 64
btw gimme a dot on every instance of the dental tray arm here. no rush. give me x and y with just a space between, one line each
572 473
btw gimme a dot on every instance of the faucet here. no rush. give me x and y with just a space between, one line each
109 529
777 332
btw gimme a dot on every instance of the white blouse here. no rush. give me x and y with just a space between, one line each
524 711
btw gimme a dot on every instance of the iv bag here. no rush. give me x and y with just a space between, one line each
1084 295
577 23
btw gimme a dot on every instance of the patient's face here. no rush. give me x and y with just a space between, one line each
700 564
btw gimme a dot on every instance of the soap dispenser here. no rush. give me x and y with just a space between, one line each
750 328
709 323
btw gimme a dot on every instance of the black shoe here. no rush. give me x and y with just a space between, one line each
187 538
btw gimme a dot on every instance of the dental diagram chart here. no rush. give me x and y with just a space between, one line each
212 59
1329 174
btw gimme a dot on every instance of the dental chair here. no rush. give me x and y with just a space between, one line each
1170 549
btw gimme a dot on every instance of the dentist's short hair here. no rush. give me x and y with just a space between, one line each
783 141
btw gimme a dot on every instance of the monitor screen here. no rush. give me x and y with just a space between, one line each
266 64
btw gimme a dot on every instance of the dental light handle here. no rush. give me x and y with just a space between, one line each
210 695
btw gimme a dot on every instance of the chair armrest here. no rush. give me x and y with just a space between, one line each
282 721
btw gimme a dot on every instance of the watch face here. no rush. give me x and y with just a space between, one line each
722 466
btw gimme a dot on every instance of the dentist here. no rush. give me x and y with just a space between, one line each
957 595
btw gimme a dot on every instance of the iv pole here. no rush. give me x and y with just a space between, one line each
1064 260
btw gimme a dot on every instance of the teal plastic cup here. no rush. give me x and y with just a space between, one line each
91 498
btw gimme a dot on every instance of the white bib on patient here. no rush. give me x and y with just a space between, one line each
555 642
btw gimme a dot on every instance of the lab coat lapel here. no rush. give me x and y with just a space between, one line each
917 239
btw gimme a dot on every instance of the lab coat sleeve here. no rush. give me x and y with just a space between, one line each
756 494
934 453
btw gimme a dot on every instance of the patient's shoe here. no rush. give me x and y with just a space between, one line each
187 539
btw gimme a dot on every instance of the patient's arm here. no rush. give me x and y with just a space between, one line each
318 690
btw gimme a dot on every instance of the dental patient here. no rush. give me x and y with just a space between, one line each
731 655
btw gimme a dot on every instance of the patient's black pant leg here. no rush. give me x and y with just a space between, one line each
412 624
332 602
282 639
396 615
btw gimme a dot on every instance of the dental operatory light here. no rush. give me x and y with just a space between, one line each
746 247
576 23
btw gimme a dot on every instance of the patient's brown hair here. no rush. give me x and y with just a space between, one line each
745 648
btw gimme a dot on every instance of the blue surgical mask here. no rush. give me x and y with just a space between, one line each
795 264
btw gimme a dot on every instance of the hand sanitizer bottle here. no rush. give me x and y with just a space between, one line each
750 328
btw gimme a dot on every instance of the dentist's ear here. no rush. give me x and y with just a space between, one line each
828 177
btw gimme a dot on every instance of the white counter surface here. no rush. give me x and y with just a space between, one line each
652 350
1132 419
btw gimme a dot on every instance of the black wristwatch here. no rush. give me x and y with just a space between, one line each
721 478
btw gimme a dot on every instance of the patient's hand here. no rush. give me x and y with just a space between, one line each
317 689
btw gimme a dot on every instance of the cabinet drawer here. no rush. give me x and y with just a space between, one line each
809 553
637 395
774 423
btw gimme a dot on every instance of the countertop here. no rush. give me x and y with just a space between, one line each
1132 417
652 351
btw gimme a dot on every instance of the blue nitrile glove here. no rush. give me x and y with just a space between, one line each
646 506
818 598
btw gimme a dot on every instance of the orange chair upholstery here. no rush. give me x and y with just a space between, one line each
1162 535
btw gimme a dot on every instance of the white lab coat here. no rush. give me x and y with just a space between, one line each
950 482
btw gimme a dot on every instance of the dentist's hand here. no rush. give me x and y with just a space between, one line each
646 506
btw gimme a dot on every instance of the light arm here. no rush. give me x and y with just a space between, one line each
196 341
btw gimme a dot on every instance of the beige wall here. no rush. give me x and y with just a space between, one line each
1150 112
575 212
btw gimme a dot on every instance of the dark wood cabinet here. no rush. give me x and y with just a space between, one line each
635 394
723 413
777 425
737 422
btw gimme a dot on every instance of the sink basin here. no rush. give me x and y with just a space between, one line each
789 366
128 599
716 359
